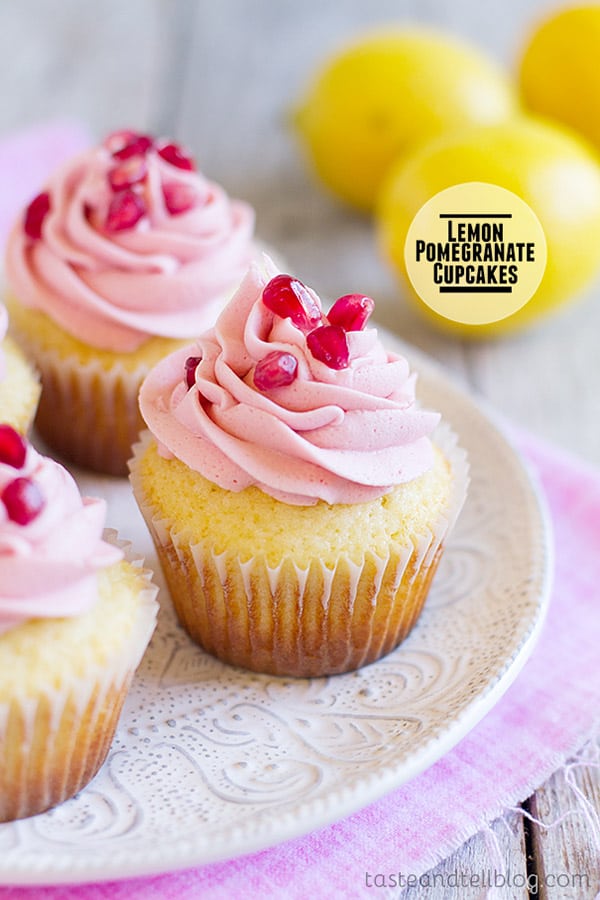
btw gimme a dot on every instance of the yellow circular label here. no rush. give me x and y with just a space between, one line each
475 253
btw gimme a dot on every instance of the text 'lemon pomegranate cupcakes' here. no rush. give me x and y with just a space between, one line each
76 615
127 253
297 502
19 384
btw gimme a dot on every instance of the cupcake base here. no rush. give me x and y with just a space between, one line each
57 721
19 389
286 617
62 757
88 415
88 411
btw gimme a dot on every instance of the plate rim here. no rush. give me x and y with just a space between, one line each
341 801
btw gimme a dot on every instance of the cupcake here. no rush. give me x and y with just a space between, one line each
75 618
19 385
127 254
296 500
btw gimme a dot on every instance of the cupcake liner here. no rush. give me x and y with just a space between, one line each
285 620
87 413
52 745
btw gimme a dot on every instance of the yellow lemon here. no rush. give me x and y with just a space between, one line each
377 99
552 170
560 69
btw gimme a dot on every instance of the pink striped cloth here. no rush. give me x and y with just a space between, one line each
547 714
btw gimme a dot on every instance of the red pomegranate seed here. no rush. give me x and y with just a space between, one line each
35 214
179 197
117 140
276 369
132 144
125 210
173 154
289 298
128 173
13 448
351 312
190 366
329 345
23 500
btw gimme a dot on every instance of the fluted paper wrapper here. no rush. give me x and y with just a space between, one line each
87 414
313 621
52 745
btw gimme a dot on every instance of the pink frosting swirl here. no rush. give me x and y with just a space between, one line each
343 436
3 330
169 274
48 567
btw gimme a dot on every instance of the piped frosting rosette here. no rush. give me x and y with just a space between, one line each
51 543
129 241
334 417
128 252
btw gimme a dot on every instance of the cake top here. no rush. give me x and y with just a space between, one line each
128 240
305 406
50 537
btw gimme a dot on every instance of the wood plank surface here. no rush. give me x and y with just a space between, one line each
567 845
491 862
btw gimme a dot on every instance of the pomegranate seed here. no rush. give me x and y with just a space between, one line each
173 154
23 500
329 345
132 144
128 173
35 214
13 448
178 197
190 366
351 312
289 298
276 369
125 210
116 140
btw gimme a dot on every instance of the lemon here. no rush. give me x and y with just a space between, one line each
377 99
560 69
554 171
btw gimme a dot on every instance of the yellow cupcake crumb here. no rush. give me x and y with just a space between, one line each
19 389
251 523
45 654
38 330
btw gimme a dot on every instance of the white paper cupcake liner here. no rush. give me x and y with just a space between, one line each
87 413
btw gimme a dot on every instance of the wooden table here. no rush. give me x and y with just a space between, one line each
222 76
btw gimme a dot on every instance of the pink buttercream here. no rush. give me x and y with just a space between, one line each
343 436
169 275
3 330
48 567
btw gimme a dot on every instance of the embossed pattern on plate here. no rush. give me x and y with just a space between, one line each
210 762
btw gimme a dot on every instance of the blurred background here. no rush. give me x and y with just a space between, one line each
223 77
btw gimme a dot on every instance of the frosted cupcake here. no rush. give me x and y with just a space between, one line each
298 505
19 385
128 253
75 619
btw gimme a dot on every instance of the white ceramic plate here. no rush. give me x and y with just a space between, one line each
210 762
